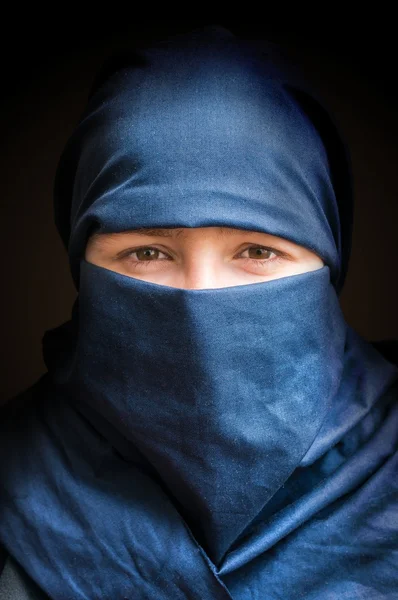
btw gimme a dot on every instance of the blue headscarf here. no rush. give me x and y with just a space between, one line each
237 442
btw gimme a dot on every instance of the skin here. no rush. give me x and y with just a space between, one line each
200 257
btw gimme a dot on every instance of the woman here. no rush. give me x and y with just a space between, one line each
209 426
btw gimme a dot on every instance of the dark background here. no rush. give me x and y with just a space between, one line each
48 65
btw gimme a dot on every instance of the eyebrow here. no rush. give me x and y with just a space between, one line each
162 232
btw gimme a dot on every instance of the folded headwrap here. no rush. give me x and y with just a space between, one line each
236 442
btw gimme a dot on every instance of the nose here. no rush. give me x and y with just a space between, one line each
203 274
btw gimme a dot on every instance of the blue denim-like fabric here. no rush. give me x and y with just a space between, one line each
204 444
205 132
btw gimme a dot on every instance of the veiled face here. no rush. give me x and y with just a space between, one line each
200 257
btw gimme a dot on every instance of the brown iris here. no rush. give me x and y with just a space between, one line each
147 253
259 252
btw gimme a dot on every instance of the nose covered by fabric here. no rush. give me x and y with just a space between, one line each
223 391
202 131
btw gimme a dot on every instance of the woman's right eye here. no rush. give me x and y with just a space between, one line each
146 254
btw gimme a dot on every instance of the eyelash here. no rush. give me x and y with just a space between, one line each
253 261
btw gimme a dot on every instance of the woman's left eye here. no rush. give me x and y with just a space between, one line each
259 253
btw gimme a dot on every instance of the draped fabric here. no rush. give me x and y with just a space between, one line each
234 442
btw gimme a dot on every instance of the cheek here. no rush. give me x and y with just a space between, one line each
303 266
317 262
101 251
93 249
311 264
309 260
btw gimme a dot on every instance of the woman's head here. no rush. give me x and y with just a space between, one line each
206 131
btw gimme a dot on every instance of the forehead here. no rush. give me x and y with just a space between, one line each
181 232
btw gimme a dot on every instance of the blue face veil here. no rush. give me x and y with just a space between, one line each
206 444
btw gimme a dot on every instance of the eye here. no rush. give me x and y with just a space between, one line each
143 257
259 253
262 259
146 254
